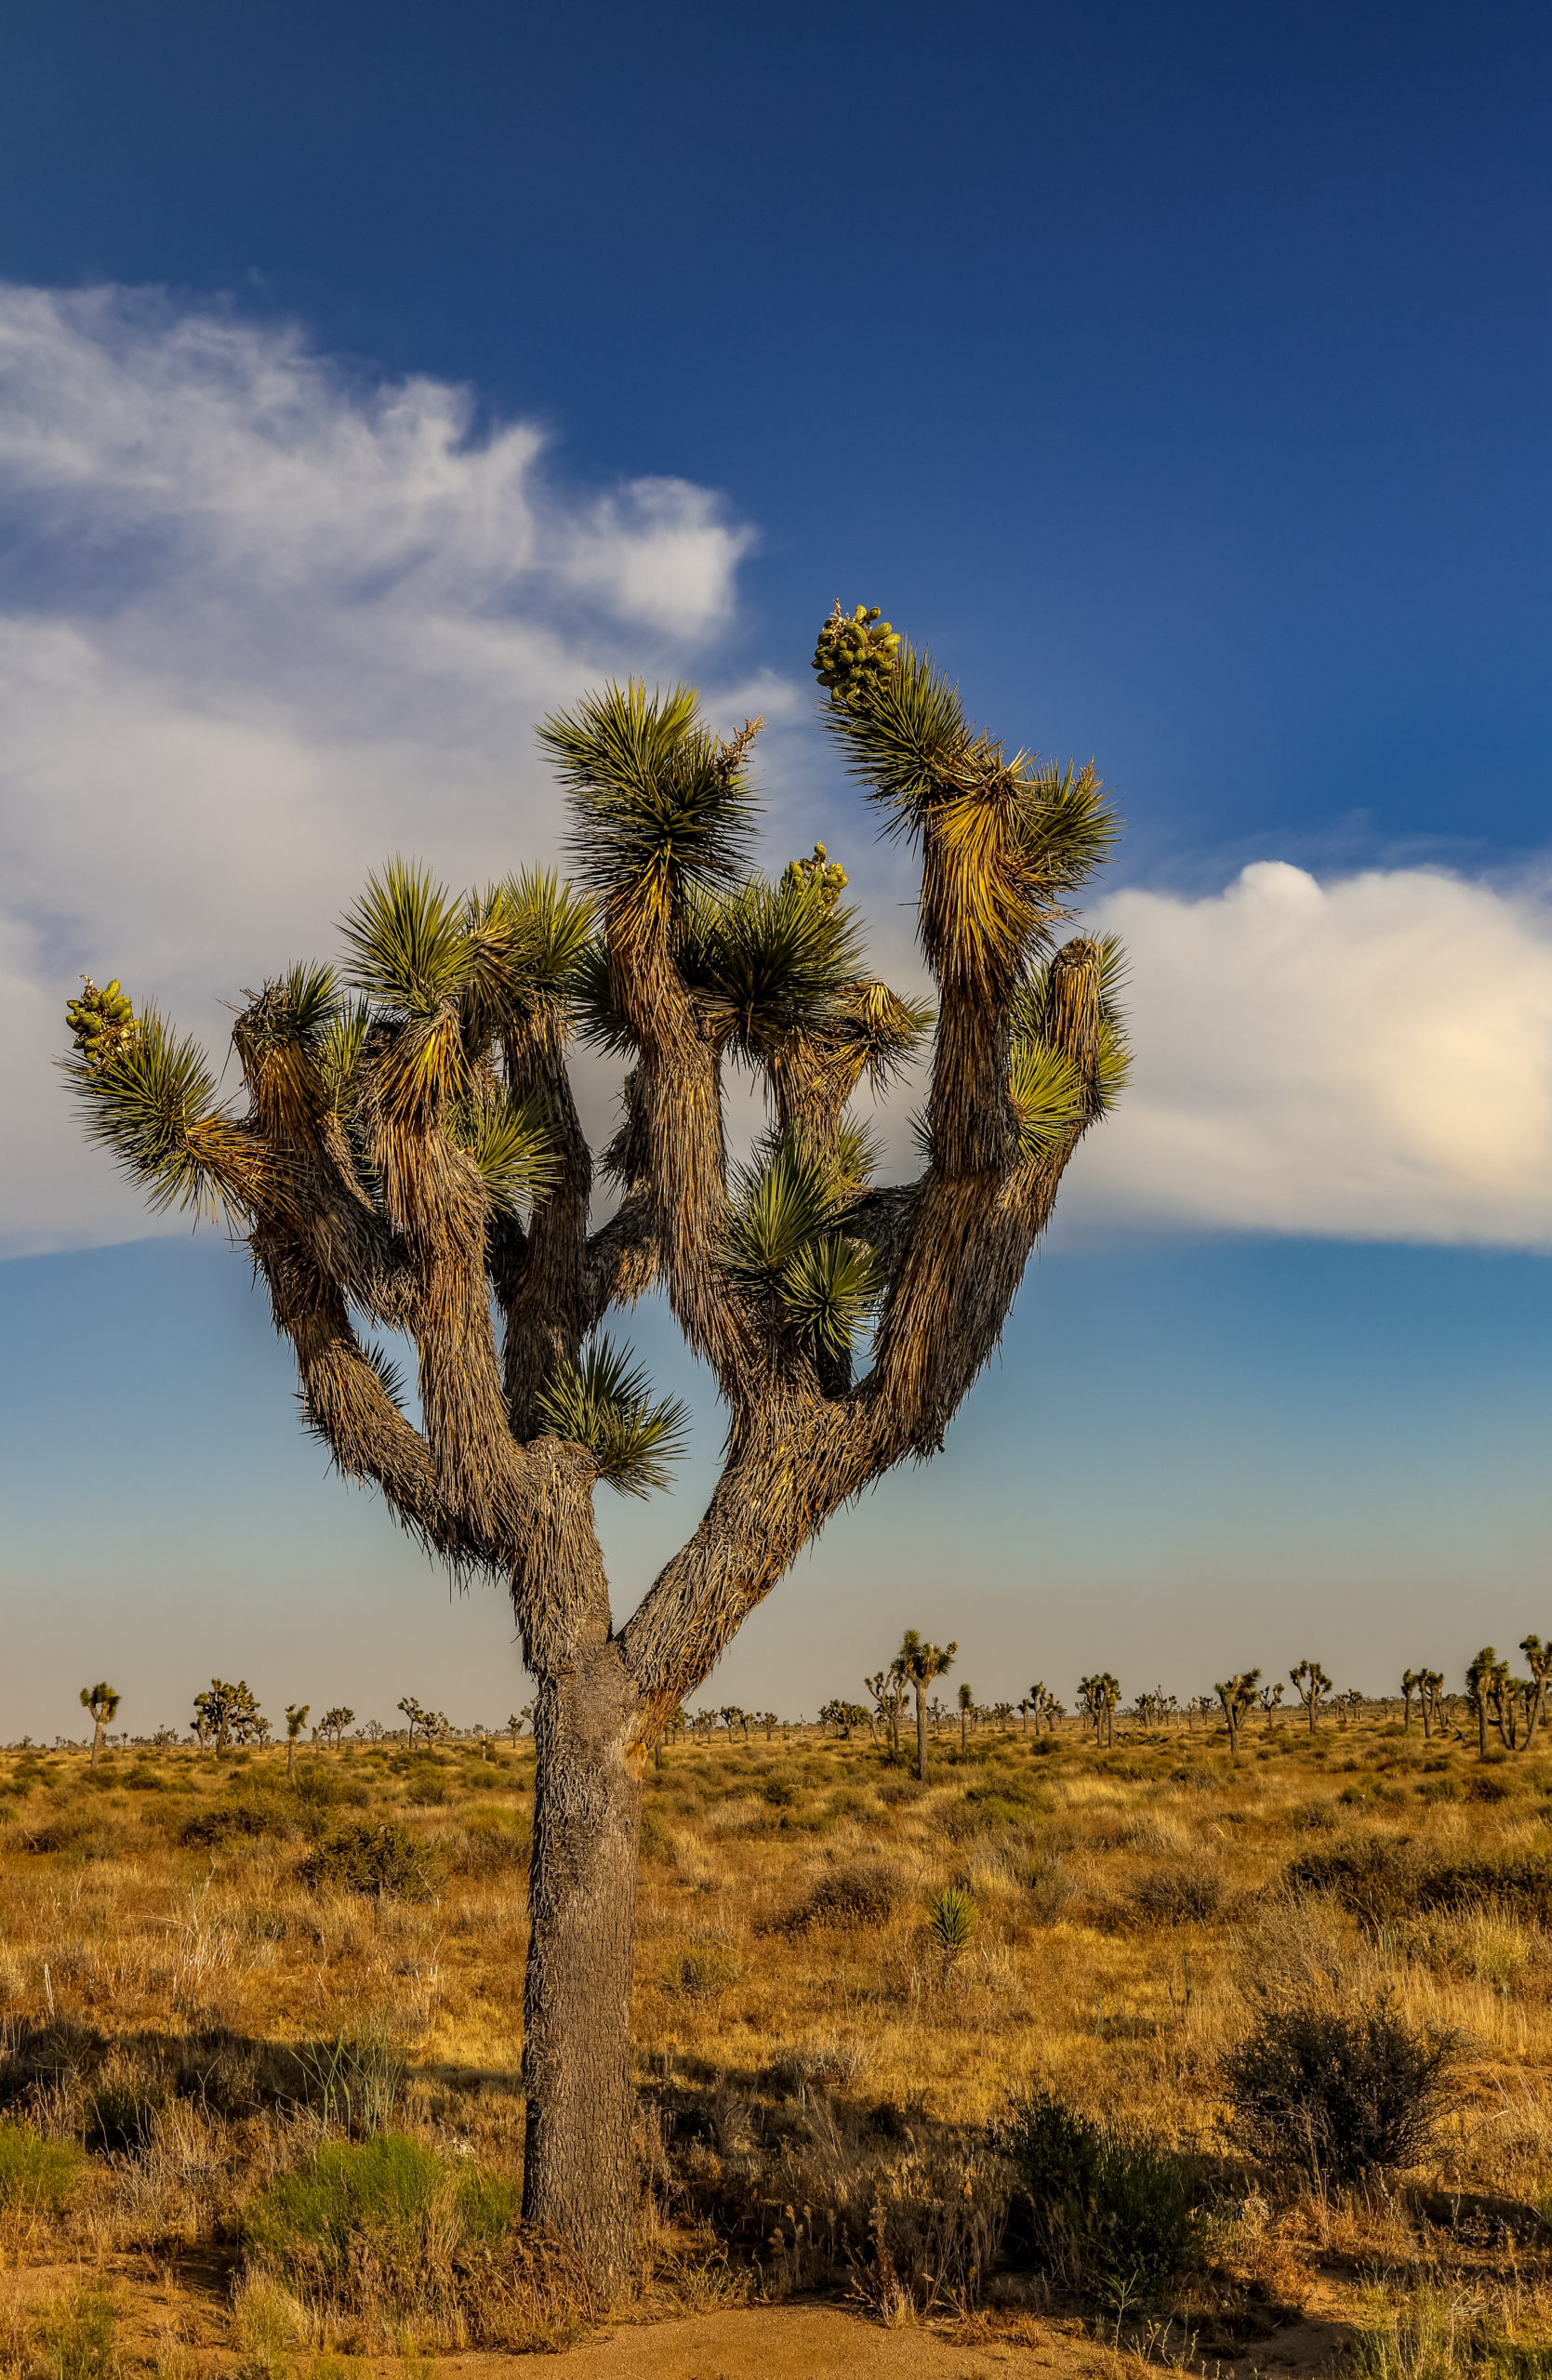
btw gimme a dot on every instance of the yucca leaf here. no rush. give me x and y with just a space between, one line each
409 949
154 1106
1048 1094
903 736
826 1292
605 1403
771 960
780 1204
657 803
511 1143
341 1047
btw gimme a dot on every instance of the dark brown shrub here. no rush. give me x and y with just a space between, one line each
1338 2096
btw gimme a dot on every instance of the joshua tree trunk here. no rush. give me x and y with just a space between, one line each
1482 1726
97 1740
921 1736
577 2059
290 1754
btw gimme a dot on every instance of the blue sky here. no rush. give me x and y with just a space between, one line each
1181 375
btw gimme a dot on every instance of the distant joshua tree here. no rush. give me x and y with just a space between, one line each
1099 1695
888 1690
1431 1697
296 1720
102 1701
1309 1683
967 1704
919 1663
333 1724
1539 1661
1270 1698
1485 1678
1237 1694
1411 1681
225 1714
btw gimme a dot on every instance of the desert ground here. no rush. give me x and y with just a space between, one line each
259 2111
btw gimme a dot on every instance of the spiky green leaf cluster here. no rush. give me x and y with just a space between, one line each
147 1102
101 1023
510 1141
605 1403
788 1248
409 949
1047 1090
854 652
658 804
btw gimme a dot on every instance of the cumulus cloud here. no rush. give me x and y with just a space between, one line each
260 623
263 621
1369 1058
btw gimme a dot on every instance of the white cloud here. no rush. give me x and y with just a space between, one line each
260 624
1369 1058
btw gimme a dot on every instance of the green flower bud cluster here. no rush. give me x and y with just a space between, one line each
824 875
102 1023
854 655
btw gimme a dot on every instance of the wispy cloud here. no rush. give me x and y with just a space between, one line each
261 622
1365 1058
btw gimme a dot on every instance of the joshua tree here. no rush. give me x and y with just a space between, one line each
1270 1698
411 1155
1430 1695
888 1690
967 1704
102 1701
1237 1694
225 1714
919 1663
1538 1658
1411 1681
1309 1683
296 1720
333 1724
1099 1695
1485 1676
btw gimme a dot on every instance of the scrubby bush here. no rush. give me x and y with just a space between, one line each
1338 2096
36 2175
249 1817
1382 1877
376 1857
1176 1896
865 1892
1110 2213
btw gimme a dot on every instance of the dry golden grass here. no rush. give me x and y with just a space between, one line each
819 2073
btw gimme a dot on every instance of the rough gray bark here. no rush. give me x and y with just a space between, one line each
576 2051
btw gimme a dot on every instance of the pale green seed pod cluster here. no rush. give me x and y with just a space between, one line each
855 654
101 1022
820 874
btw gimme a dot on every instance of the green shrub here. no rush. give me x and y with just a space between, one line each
375 1857
77 2338
36 2175
1338 2096
1110 2214
951 1921
350 2205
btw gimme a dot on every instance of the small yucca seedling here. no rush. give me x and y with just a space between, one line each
951 1921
